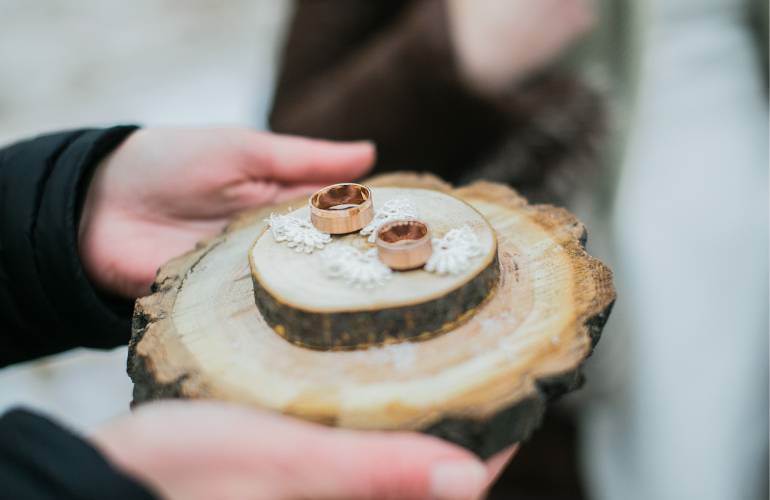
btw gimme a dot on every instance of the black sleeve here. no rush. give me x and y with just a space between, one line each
41 460
47 304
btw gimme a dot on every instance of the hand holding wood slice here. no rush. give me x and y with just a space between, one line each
471 358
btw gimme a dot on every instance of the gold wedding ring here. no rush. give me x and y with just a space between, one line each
341 208
404 244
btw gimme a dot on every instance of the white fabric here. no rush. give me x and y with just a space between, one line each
688 415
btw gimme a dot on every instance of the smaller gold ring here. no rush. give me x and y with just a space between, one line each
404 244
341 208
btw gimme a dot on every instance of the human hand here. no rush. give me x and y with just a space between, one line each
163 190
203 450
498 41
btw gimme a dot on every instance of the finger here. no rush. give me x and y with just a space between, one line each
497 463
287 458
337 463
292 159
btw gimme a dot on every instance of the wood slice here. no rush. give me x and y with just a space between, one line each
483 385
307 307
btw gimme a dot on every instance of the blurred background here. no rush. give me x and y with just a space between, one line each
648 119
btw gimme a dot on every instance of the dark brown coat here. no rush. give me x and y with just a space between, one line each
385 70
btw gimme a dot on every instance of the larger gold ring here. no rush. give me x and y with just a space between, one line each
404 244
341 208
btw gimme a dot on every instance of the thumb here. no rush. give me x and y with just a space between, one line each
378 465
291 159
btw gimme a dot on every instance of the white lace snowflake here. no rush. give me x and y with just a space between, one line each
395 209
453 253
356 268
299 234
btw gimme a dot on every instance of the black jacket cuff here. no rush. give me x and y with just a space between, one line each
46 300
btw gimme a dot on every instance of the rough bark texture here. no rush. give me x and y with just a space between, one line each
517 422
362 329
536 331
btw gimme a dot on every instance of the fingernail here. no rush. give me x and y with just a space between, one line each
457 480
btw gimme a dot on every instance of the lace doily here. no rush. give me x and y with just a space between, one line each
356 268
395 209
299 234
453 253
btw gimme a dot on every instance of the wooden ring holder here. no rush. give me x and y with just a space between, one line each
309 309
482 383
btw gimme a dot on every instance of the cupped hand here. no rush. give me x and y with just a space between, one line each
205 450
163 190
500 41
